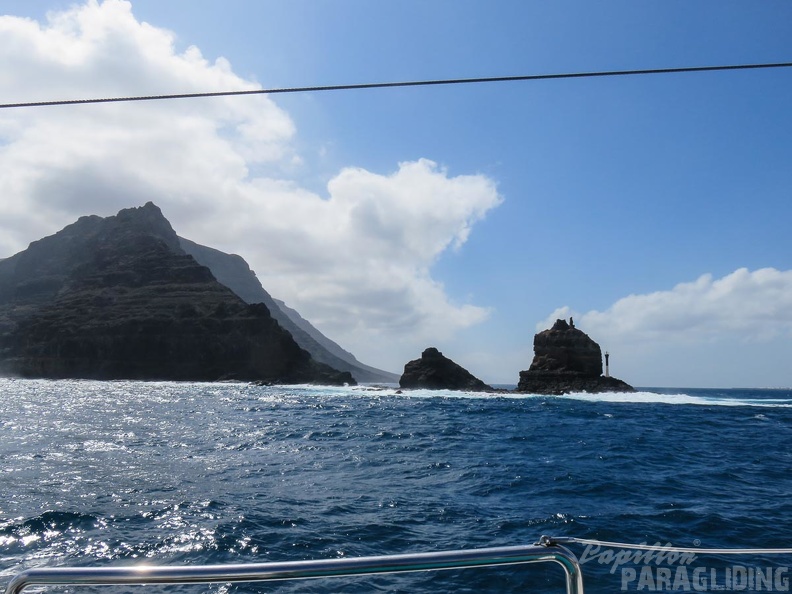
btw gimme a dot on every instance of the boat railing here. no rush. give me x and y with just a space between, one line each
294 570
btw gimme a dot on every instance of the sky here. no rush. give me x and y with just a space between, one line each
655 210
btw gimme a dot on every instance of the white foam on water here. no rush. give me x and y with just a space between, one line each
641 397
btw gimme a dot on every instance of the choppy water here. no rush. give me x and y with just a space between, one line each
98 473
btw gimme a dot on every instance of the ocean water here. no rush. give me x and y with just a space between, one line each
118 473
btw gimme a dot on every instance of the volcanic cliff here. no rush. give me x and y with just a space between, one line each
118 298
232 271
567 360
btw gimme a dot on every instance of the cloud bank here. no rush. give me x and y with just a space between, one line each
707 323
356 261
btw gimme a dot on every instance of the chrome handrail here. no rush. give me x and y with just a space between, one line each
288 570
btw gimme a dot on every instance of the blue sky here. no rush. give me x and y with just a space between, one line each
655 209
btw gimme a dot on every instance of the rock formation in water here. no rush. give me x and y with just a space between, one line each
433 371
232 271
567 360
118 298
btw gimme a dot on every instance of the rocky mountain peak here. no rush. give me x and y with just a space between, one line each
118 298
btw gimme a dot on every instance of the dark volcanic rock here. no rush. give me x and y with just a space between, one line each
540 382
564 348
567 360
117 298
232 271
436 372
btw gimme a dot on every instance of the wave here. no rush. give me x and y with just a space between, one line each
49 521
697 397
682 398
253 398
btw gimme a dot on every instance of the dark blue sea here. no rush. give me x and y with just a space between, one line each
119 473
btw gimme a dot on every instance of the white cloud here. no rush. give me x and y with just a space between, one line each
357 261
755 306
705 323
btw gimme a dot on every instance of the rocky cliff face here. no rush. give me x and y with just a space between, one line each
232 271
435 372
117 298
565 349
567 360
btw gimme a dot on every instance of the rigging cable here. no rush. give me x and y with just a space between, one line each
419 83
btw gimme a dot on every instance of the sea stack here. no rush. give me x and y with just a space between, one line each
567 360
433 371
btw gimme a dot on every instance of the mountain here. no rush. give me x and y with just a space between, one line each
232 271
118 298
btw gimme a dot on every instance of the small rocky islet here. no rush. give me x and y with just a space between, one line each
124 297
565 360
434 371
